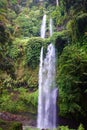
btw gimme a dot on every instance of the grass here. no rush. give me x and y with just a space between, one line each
29 128
58 128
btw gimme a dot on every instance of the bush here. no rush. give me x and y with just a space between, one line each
6 125
64 128
32 51
28 23
9 103
14 51
77 26
21 100
60 39
15 126
29 99
81 127
72 80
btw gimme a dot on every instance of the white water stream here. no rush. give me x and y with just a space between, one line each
47 86
43 26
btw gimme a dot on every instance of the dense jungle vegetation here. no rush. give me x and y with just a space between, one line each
20 44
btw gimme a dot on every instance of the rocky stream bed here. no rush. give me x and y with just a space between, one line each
26 119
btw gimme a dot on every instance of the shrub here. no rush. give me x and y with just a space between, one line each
29 99
21 101
6 125
15 126
60 39
14 51
32 51
64 128
77 26
7 103
81 127
30 28
72 80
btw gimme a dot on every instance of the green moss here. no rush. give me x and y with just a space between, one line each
20 100
72 27
15 126
71 78
32 51
77 26
82 23
29 99
60 39
63 35
16 49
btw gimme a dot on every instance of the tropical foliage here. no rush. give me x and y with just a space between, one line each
72 79
20 45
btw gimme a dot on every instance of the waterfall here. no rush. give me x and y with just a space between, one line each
51 30
41 94
43 26
57 2
47 87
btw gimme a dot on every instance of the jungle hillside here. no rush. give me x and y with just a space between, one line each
20 46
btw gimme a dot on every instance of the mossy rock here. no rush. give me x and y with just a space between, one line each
82 23
60 39
77 26
6 125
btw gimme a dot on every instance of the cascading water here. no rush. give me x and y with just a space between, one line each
51 30
47 88
43 26
40 98
57 2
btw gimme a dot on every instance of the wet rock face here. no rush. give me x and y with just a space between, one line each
11 117
23 119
